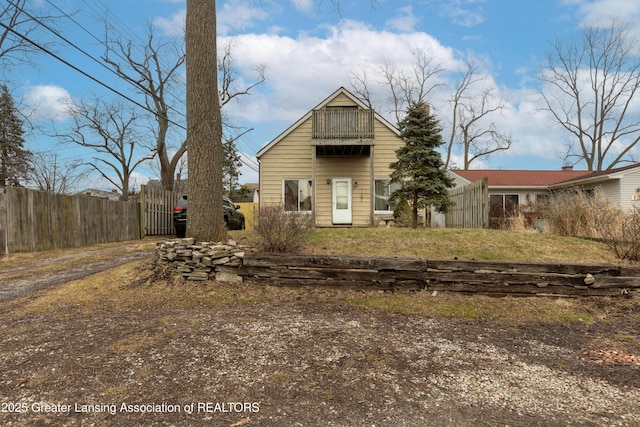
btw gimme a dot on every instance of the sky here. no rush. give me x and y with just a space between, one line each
309 49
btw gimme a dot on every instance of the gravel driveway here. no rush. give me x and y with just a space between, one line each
303 358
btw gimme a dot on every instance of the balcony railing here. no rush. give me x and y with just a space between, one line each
342 123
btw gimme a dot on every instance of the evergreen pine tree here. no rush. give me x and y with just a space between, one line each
14 159
420 168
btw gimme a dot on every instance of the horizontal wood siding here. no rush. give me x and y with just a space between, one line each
290 158
356 168
387 143
39 220
341 100
629 184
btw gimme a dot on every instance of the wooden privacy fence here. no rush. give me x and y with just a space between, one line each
393 273
157 210
33 220
470 208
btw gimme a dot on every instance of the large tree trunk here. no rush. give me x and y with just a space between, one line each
205 220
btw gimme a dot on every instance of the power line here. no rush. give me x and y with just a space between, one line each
86 74
131 33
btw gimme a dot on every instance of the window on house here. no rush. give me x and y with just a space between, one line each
503 204
297 195
384 189
542 200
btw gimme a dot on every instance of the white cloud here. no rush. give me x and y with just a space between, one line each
239 15
232 15
466 13
404 21
172 26
136 180
304 70
302 5
48 102
601 12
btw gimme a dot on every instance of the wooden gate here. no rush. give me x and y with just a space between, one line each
471 206
157 210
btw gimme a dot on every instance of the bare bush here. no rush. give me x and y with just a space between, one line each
620 230
282 231
572 212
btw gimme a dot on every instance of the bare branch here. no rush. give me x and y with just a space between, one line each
589 88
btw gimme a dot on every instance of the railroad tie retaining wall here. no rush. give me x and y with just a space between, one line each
230 262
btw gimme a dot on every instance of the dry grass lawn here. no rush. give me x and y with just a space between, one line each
323 356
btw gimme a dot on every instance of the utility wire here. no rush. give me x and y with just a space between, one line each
132 34
67 63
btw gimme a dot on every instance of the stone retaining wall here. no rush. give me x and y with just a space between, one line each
202 261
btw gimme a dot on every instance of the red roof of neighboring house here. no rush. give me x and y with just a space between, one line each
520 178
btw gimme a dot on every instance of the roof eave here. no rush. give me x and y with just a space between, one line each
586 180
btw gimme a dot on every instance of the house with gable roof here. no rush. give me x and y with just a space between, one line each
333 163
509 189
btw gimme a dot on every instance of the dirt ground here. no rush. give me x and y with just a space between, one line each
300 357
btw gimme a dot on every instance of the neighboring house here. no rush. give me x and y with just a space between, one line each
621 186
509 189
180 185
333 163
100 194
248 193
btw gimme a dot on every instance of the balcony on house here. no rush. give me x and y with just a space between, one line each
343 131
342 123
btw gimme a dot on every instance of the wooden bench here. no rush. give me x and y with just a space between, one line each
387 220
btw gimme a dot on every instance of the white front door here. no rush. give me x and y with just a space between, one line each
341 200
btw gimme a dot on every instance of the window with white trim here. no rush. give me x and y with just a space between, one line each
297 195
383 190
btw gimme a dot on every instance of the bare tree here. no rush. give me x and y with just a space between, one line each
228 77
360 85
589 88
154 73
404 87
17 27
409 88
110 129
204 124
470 111
51 174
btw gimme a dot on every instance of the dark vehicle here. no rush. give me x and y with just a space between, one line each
233 218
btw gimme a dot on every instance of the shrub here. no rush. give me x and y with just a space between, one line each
620 231
572 212
282 231
402 215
